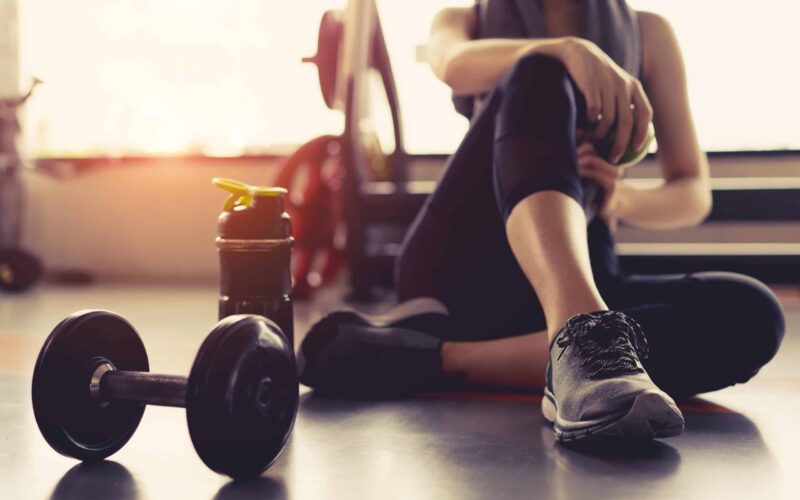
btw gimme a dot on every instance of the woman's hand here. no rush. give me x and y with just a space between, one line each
610 93
594 168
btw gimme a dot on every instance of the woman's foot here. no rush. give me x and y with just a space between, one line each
596 385
352 355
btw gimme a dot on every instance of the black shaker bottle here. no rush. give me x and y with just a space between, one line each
254 242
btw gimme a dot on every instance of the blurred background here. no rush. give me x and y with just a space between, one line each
144 101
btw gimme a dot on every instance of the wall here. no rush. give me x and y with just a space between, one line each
156 219
148 220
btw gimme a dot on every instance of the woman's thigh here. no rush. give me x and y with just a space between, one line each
456 249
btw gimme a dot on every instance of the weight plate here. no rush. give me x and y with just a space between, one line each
329 40
18 270
242 396
71 421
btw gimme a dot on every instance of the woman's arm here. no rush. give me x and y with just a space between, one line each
474 66
684 198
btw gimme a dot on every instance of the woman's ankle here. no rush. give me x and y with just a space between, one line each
563 315
449 354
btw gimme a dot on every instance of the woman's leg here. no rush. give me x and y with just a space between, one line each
457 251
542 205
546 233
519 360
522 143
706 331
518 154
456 238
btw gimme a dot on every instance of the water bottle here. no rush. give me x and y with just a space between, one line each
254 242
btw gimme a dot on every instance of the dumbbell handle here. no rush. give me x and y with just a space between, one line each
109 384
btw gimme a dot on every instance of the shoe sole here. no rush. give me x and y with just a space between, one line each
651 416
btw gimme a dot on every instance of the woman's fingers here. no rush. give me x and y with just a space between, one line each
599 166
612 97
585 148
644 115
594 106
595 168
624 124
607 113
595 177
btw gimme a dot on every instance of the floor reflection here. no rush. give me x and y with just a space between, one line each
708 460
262 488
104 479
472 447
577 470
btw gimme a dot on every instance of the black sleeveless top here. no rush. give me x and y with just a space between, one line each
611 24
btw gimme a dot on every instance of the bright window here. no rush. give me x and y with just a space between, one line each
741 63
209 77
225 78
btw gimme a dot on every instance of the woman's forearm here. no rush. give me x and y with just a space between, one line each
675 204
474 67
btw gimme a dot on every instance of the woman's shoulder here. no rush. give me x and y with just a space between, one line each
652 22
461 18
459 12
658 39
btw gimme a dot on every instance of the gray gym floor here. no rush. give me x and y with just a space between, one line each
742 442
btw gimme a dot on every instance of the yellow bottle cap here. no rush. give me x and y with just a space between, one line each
243 194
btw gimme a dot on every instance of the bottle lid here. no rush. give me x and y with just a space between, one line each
244 194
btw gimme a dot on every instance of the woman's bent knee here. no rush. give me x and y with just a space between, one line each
534 148
537 96
752 316
536 69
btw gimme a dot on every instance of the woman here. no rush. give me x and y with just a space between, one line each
508 277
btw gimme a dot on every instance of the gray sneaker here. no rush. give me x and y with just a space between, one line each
596 385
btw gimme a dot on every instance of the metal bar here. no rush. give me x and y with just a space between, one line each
144 387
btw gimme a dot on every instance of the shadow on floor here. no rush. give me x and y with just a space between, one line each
109 479
637 460
716 438
262 487
104 479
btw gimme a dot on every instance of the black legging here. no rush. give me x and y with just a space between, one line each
706 330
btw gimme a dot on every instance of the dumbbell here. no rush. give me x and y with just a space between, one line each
92 381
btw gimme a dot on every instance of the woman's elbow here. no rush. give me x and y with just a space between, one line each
695 202
446 69
702 206
443 70
706 205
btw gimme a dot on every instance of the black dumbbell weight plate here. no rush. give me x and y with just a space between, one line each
18 270
242 396
72 422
